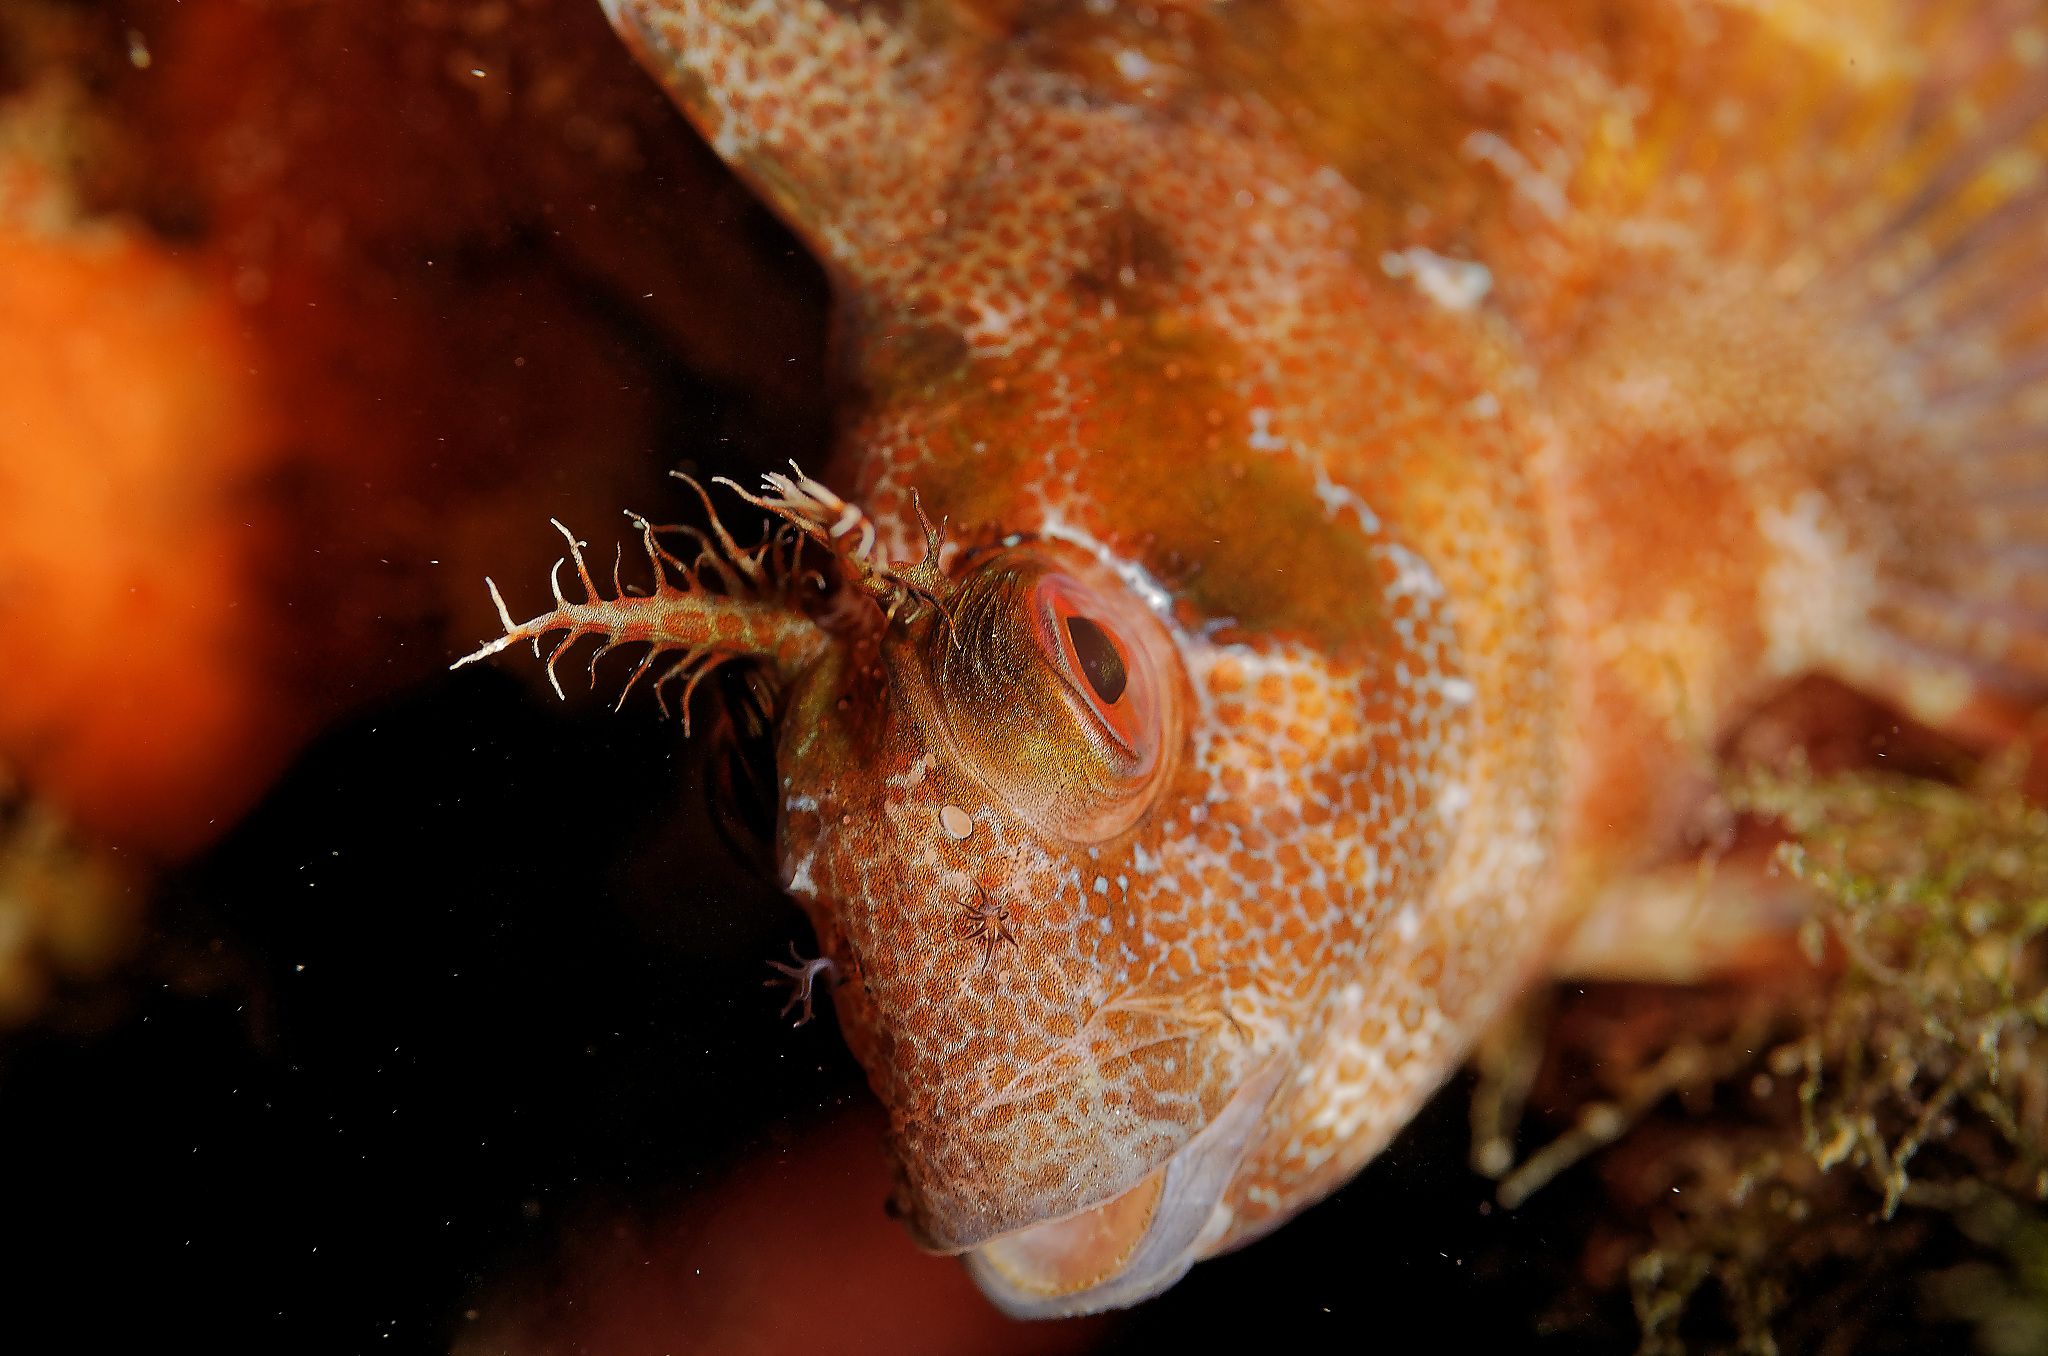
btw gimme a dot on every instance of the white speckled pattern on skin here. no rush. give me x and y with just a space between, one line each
1445 469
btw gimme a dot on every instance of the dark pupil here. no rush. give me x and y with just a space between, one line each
1100 663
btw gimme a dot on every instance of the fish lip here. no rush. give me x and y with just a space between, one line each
1171 1218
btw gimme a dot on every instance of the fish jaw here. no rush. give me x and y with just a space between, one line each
1138 1244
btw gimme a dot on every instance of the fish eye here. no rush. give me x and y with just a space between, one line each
1056 694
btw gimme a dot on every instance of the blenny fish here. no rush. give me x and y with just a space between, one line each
1318 480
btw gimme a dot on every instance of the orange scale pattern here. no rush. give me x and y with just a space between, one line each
1453 465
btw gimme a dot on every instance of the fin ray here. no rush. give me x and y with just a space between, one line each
1844 205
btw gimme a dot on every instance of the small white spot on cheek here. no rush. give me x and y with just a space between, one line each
955 821
1454 284
1133 65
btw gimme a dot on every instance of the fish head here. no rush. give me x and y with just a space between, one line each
965 803
1117 840
1102 846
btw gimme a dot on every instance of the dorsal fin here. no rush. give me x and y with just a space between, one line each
844 116
1799 254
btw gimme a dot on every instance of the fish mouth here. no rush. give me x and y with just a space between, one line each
1134 1245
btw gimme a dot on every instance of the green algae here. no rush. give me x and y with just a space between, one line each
1918 1115
1851 1156
1938 899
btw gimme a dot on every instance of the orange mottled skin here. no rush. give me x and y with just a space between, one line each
1457 414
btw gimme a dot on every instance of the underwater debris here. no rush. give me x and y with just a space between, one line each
1845 1165
68 910
50 129
1938 898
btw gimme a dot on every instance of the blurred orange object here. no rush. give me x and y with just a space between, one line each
130 441
792 1254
